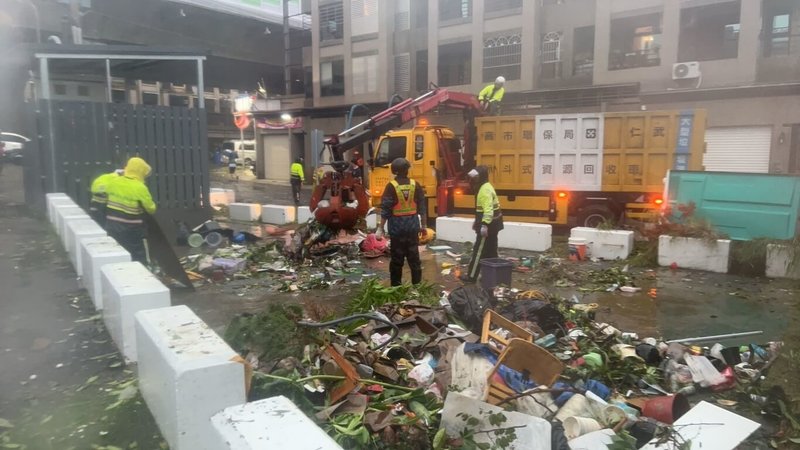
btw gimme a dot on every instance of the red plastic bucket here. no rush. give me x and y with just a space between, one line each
666 409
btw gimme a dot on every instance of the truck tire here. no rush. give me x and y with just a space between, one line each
594 215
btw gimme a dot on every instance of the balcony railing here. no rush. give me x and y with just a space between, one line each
619 60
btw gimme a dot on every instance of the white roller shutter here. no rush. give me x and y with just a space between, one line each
738 149
278 157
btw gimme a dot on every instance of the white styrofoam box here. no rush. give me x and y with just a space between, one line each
56 198
694 253
277 214
273 422
76 231
128 288
779 262
535 237
96 253
455 229
186 375
65 221
372 221
244 212
60 210
605 244
569 152
303 214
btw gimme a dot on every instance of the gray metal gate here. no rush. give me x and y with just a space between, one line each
77 141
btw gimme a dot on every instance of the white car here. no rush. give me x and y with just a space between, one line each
13 146
246 150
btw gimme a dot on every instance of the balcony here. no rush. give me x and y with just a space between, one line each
630 60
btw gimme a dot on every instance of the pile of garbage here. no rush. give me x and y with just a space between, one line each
472 369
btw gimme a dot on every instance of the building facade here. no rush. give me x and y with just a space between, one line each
738 59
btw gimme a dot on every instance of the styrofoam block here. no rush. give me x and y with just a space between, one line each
694 253
455 229
186 375
76 231
60 210
303 214
605 244
372 221
95 254
535 237
65 221
779 262
128 288
244 212
231 194
56 198
273 422
277 214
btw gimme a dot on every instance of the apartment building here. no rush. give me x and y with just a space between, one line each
739 59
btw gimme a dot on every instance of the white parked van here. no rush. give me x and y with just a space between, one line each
245 149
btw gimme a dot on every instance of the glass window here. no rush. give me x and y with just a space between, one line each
332 78
709 32
419 147
422 70
583 51
498 5
390 149
455 9
635 42
363 17
778 42
455 64
365 74
60 89
331 21
502 55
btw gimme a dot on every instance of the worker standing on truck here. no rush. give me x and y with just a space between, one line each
403 206
491 96
488 222
97 204
296 177
128 201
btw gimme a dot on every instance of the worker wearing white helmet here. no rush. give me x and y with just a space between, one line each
491 96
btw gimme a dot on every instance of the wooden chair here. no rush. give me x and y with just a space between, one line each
527 358
492 321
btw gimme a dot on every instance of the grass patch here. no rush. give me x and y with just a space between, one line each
272 334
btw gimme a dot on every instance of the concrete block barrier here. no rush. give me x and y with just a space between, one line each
304 214
56 198
605 244
186 375
64 209
455 229
128 288
277 214
96 253
219 196
694 253
779 262
244 212
273 422
533 237
65 221
78 230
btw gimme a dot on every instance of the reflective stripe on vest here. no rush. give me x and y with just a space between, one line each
406 205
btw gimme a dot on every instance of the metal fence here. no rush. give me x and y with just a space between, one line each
77 141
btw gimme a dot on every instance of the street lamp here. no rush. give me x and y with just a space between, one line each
286 117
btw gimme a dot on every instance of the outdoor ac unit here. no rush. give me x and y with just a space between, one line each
686 70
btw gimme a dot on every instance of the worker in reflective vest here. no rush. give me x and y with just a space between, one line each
128 201
97 204
296 177
491 96
488 222
403 206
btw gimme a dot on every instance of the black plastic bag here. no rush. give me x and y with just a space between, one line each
544 314
469 303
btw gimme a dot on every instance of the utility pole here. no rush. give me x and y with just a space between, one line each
287 49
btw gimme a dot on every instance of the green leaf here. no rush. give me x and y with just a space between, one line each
794 440
5 423
473 421
438 439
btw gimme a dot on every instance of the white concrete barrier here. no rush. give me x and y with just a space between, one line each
65 221
694 253
78 230
455 229
534 237
219 196
244 212
186 375
56 198
277 214
779 262
128 288
273 422
61 210
96 253
605 244
303 214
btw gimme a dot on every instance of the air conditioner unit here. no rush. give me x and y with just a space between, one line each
686 70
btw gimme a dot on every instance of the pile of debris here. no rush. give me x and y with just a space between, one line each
467 369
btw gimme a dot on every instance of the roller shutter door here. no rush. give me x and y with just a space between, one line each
738 149
278 157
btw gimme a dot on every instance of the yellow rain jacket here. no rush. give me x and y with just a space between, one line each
487 205
491 94
128 196
99 186
297 172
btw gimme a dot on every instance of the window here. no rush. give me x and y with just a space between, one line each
390 149
419 147
583 51
83 91
551 55
118 96
422 70
502 55
149 99
777 33
455 64
331 80
455 9
331 21
402 17
60 89
419 14
498 5
363 17
402 73
365 74
709 32
635 42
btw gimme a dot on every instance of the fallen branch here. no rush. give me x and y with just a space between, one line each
336 378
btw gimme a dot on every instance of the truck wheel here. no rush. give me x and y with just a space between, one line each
593 215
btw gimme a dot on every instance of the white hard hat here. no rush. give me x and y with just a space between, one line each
500 80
